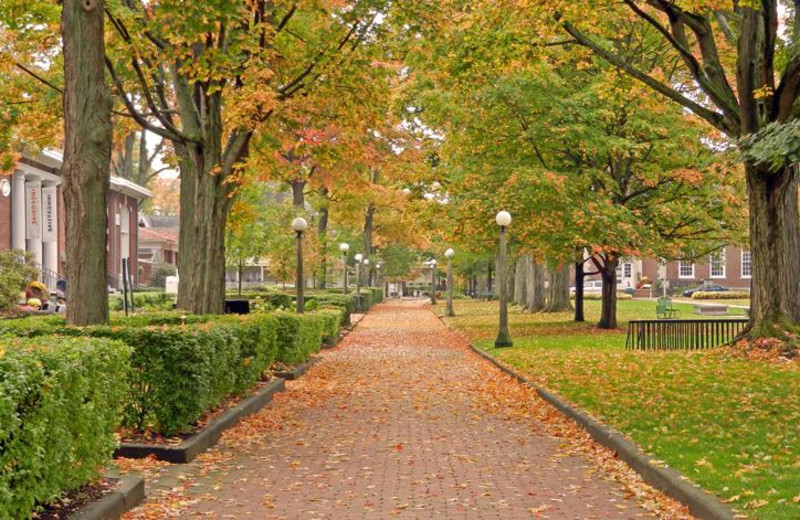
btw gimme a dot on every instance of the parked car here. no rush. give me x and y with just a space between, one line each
590 286
705 288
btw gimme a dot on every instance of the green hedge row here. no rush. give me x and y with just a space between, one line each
184 366
145 300
60 403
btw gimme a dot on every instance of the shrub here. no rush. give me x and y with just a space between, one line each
15 275
158 278
598 296
181 372
346 302
331 323
299 336
60 403
720 295
145 301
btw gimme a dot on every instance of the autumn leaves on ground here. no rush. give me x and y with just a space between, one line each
729 424
402 420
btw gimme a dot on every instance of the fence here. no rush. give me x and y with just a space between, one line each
682 334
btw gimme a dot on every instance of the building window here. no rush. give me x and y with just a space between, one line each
628 270
747 264
685 269
716 264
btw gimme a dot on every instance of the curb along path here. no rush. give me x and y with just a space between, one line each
401 420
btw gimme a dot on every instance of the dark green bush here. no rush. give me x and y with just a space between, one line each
32 326
346 302
60 403
181 372
144 300
299 336
331 323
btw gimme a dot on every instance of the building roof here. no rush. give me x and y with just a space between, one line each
158 235
55 159
160 221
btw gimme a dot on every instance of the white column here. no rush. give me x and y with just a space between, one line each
34 245
18 211
50 254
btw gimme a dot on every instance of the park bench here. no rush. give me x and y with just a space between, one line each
711 310
665 310
486 295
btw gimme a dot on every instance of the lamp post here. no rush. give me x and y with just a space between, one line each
359 257
344 247
433 282
448 311
366 266
503 220
299 225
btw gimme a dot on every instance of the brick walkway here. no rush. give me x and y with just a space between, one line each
394 423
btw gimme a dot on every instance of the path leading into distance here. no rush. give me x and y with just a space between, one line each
399 421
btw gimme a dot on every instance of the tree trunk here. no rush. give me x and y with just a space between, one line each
87 159
559 290
489 278
322 230
775 249
520 281
579 314
536 293
240 272
369 218
608 306
298 193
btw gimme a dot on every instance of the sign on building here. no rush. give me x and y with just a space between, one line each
49 214
33 211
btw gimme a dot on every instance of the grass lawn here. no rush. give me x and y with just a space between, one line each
731 425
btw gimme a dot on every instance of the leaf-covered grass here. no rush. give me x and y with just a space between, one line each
729 424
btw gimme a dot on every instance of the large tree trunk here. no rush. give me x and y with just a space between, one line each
608 305
536 292
369 219
559 289
775 249
520 281
322 229
298 193
87 159
579 271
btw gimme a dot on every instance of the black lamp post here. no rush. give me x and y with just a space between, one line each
299 225
503 220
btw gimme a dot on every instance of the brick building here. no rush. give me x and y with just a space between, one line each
32 217
730 267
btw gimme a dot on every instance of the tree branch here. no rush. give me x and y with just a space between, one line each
716 119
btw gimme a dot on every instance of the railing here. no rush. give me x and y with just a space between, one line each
682 334
48 277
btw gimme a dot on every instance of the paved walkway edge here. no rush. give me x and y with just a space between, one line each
209 435
700 503
112 506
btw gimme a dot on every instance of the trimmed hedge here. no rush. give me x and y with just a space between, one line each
181 372
60 403
146 300
185 365
300 336
598 296
720 295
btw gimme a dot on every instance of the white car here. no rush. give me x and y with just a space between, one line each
590 286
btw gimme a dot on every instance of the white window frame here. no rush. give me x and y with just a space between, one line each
749 262
681 265
720 256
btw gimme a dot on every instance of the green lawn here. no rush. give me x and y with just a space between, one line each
731 425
